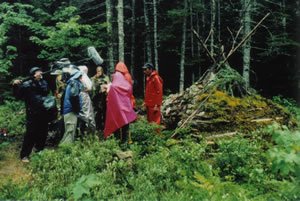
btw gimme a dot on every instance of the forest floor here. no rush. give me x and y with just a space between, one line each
12 169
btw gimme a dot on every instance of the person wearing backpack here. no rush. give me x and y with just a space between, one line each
32 92
71 106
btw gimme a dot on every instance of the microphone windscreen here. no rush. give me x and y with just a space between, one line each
93 54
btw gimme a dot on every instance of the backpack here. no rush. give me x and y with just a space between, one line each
49 107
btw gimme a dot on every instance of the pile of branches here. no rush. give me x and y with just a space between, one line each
220 102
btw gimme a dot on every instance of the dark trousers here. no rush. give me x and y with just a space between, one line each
100 117
35 136
122 134
100 110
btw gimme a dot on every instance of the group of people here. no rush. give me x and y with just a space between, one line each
93 104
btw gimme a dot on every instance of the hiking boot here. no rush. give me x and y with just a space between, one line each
25 160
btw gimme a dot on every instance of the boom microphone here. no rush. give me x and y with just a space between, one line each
93 54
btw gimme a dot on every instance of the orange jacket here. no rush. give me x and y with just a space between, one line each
121 67
154 90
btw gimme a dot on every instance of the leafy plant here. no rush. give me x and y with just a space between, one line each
288 103
12 191
12 119
284 156
240 161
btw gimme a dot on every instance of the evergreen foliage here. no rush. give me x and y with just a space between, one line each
38 32
264 165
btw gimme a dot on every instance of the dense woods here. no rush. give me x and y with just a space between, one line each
36 33
230 120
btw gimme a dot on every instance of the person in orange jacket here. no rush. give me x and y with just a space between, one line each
153 93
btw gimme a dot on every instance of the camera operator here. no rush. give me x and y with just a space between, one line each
32 92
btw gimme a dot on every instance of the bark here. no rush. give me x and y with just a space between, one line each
110 49
132 38
121 30
155 35
198 31
283 8
219 20
182 59
192 27
192 37
198 44
212 25
148 40
247 46
298 59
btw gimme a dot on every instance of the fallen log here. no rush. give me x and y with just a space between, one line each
216 136
221 135
266 119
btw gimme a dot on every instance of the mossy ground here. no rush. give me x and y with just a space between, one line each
223 113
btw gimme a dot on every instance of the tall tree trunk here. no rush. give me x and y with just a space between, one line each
283 8
203 28
110 48
132 56
219 20
192 27
247 46
182 59
297 70
192 38
121 30
198 44
212 25
155 35
148 35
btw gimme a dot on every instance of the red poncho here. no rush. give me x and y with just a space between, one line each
121 67
119 110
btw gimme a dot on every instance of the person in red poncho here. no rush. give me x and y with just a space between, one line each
153 93
119 112
121 67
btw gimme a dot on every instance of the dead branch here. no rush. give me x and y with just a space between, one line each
236 36
221 135
266 119
245 39
192 115
216 136
210 32
205 47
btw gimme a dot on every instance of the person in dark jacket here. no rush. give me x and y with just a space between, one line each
32 92
72 106
98 96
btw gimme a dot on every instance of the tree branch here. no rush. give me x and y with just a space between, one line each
244 40
201 42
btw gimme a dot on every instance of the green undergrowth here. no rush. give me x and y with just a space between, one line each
288 103
12 124
12 119
264 166
261 165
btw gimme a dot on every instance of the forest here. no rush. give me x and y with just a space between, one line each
235 139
